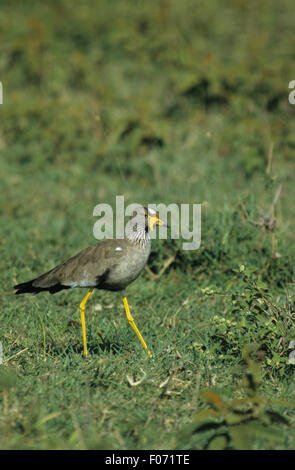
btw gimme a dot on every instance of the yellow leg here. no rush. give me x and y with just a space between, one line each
82 313
131 321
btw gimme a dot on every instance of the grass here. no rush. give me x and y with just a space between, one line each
174 102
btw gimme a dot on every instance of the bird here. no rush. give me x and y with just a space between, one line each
110 264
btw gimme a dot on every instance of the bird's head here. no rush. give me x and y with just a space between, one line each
146 217
152 219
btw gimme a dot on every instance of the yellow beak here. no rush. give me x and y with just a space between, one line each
154 220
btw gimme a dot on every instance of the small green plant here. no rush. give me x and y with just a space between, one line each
239 423
252 315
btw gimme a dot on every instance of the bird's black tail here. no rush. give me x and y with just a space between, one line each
27 288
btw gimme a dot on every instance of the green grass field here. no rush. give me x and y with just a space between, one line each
183 102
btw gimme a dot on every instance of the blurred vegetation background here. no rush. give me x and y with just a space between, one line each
164 101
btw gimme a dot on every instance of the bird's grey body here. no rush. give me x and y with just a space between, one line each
125 265
121 263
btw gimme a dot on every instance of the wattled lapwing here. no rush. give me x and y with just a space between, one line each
111 265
